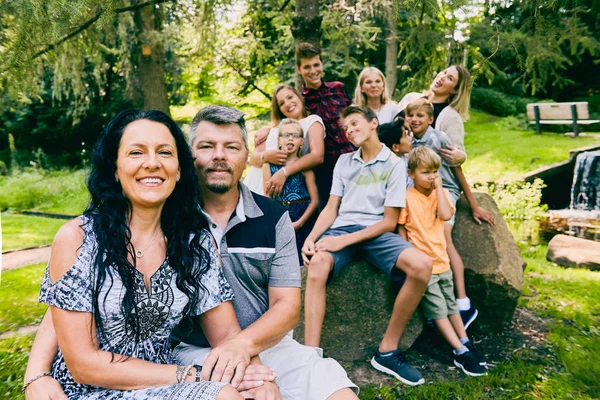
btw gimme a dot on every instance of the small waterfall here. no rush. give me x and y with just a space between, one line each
585 193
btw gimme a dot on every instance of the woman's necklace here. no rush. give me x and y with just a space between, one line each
140 253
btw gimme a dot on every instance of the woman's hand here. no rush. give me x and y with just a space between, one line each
276 157
274 185
268 391
480 214
453 155
256 375
45 388
261 136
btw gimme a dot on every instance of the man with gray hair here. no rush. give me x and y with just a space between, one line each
256 243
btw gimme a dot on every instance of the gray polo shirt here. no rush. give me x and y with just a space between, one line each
367 188
437 140
258 251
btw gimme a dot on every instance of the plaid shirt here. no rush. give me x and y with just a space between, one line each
327 102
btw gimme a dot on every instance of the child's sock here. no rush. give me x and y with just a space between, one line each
464 340
463 349
463 304
386 354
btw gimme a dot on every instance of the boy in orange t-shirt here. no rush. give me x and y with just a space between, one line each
428 205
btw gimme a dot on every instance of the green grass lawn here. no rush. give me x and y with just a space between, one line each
19 293
22 231
500 149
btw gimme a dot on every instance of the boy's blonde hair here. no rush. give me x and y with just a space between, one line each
420 103
423 157
360 99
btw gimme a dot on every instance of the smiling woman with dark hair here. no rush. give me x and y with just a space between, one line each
125 273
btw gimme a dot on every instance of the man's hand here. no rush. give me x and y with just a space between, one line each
308 250
227 363
256 375
331 243
276 157
268 391
480 214
453 155
46 388
261 136
274 185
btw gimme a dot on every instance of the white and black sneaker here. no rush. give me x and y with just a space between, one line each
478 356
397 366
469 364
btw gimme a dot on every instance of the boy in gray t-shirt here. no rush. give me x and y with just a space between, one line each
367 193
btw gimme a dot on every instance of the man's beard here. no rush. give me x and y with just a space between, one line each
218 188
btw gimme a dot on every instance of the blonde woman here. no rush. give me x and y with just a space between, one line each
450 94
287 103
372 91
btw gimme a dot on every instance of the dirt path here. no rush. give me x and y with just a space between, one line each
23 258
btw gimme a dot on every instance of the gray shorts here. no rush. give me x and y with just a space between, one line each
454 195
302 373
439 301
381 252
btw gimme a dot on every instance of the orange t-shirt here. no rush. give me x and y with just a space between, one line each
425 230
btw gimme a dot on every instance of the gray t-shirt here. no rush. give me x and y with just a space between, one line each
367 188
258 251
437 140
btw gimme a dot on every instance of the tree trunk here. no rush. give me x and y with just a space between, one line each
150 60
306 26
391 50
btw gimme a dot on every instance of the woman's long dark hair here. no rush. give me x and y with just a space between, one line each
110 213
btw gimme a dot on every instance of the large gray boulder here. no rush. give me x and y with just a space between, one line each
360 299
569 251
493 264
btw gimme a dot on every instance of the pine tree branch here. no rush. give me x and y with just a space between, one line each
91 21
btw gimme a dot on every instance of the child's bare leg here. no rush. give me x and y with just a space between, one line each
320 266
447 330
458 326
343 394
458 268
417 267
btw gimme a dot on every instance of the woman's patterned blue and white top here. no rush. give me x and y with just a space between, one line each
160 311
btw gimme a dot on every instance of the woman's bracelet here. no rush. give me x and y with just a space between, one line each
284 172
181 372
35 378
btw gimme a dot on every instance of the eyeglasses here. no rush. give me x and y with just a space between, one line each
287 135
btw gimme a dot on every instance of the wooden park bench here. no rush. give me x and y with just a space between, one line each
574 114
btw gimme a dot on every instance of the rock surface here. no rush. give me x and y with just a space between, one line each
569 251
360 300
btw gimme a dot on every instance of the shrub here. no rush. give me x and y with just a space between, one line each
61 191
498 103
517 200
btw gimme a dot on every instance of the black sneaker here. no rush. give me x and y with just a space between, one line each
478 356
468 316
469 364
397 366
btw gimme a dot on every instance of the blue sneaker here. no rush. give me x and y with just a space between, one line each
397 366
468 316
468 364
478 356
